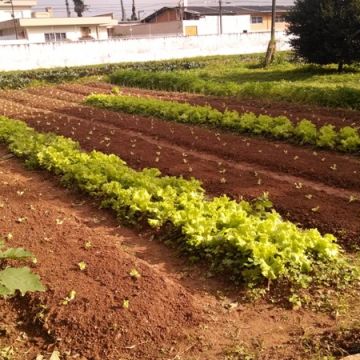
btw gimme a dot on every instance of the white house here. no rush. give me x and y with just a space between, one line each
19 8
18 22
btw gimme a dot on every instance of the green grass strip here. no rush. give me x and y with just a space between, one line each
250 241
346 139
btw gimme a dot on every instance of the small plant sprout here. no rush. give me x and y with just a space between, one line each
222 180
308 196
259 182
315 209
87 245
134 274
71 297
298 185
59 221
126 304
82 265
333 167
352 198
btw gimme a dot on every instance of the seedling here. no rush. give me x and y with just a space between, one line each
126 304
82 265
134 274
71 297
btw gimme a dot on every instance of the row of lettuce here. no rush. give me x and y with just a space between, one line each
21 79
346 139
332 96
250 241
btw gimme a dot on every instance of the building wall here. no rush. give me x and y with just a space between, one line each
48 55
210 25
37 34
19 14
148 29
168 15
266 24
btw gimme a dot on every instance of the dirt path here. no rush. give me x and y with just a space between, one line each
312 188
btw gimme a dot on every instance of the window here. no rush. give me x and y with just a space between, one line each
55 37
256 20
279 18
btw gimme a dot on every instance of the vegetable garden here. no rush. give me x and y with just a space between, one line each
183 224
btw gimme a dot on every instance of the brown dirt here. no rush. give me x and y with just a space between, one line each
226 163
176 311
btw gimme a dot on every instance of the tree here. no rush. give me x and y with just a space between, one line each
79 7
326 31
270 53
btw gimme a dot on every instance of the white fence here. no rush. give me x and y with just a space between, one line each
48 55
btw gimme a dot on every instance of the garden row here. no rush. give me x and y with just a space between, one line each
249 241
332 96
21 79
346 139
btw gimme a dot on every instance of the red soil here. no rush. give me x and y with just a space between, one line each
226 163
175 311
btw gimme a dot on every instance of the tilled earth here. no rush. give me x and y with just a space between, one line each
310 186
175 311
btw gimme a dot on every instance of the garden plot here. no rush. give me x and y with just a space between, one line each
174 311
315 188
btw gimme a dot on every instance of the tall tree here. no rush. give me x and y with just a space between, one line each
123 14
270 53
326 31
79 7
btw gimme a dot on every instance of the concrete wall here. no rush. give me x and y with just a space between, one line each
48 55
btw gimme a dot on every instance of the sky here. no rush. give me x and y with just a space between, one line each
146 7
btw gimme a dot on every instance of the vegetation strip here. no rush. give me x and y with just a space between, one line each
250 241
332 96
21 79
346 139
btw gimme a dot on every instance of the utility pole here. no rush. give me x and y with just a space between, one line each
133 14
270 53
220 17
68 13
13 17
123 14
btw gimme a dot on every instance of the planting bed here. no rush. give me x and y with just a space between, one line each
174 311
315 188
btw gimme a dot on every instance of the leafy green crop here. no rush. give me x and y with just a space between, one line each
17 279
332 95
347 139
21 79
250 241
